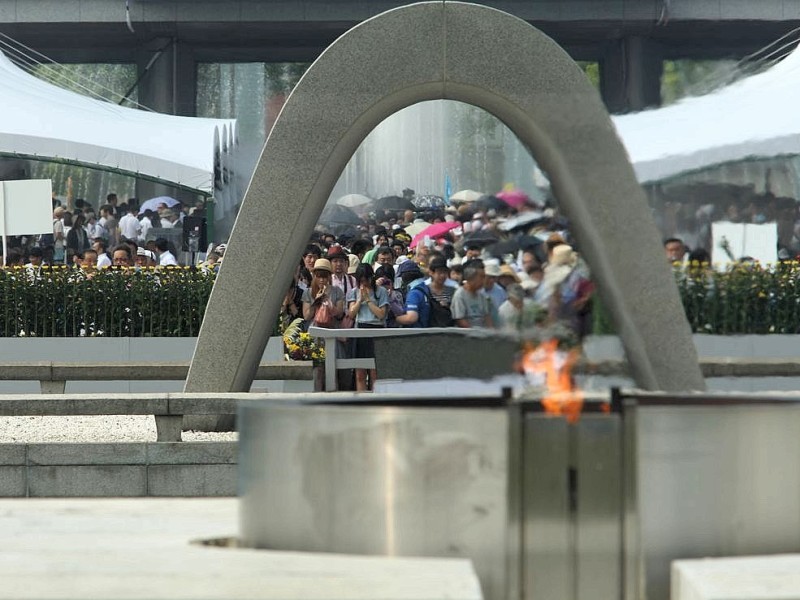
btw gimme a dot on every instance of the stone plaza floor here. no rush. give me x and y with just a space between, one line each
148 548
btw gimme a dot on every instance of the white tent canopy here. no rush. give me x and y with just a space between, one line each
756 117
42 121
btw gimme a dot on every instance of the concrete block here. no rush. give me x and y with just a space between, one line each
12 454
87 481
36 370
8 11
636 10
102 11
191 480
69 11
580 11
689 9
208 11
87 454
188 453
400 357
203 404
256 10
12 482
763 10
158 11
762 577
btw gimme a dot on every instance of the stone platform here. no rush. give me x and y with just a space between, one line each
143 548
775 577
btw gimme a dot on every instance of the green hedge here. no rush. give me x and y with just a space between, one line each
63 302
743 299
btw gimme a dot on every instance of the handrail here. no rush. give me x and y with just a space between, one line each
60 372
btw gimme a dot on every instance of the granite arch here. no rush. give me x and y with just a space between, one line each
478 55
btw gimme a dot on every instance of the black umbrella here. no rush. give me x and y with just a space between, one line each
483 237
491 203
393 203
514 245
336 214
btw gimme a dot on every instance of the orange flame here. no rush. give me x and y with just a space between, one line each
551 368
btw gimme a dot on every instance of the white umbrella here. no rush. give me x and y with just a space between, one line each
466 196
154 203
415 227
353 200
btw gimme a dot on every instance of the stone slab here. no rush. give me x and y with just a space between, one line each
12 454
143 549
191 480
774 577
86 454
87 481
13 482
182 453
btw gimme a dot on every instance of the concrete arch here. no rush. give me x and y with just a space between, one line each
481 56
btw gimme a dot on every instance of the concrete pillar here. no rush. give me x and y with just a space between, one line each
630 75
168 86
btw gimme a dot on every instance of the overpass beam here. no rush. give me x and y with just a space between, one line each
630 75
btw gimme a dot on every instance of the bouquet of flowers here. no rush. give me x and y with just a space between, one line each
299 345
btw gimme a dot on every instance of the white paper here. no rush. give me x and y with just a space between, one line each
744 239
26 207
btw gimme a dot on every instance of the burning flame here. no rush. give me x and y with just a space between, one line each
548 367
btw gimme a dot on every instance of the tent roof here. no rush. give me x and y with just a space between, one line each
42 121
755 117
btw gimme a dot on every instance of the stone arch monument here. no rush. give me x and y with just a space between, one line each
477 55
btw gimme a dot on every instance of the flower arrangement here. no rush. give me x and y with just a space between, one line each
299 345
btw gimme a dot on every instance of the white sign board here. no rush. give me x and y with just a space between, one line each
744 239
26 207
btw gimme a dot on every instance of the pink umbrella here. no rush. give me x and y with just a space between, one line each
514 198
434 231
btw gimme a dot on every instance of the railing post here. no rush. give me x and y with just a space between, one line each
330 364
168 428
52 387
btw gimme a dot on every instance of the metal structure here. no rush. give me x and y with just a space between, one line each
595 510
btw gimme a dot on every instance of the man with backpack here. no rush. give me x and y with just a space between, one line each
422 308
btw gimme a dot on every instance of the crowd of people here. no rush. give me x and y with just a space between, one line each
473 275
115 235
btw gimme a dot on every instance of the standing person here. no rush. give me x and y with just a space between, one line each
340 263
145 224
109 223
59 237
470 307
323 303
93 227
129 226
165 257
100 246
311 255
78 238
367 305
417 306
